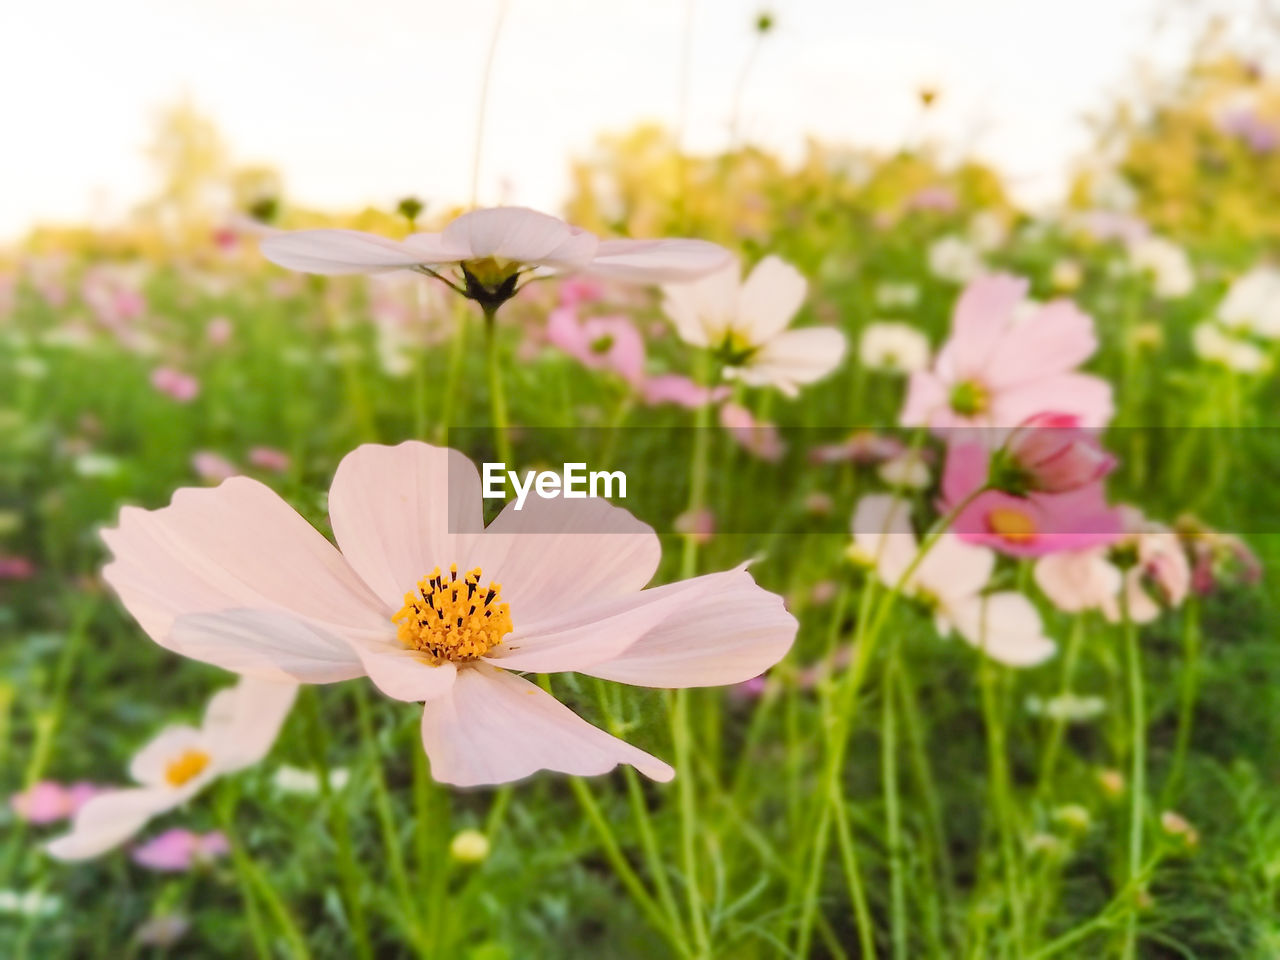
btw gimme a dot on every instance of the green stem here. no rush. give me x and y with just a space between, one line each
457 351
497 396
1059 723
1002 804
1137 786
893 816
1187 697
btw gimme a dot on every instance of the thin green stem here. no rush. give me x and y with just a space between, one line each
1186 697
893 814
1058 726
1138 775
497 394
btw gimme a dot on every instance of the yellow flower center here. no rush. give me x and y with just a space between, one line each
970 398
189 765
1013 525
453 619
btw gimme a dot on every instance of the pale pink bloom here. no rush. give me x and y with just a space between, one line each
995 371
269 458
212 466
240 724
1078 580
681 391
1051 453
756 437
493 250
601 343
174 383
234 577
578 290
951 580
936 198
862 446
1217 559
218 331
699 525
16 568
177 850
745 322
1025 526
49 801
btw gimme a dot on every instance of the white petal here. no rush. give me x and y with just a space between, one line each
108 820
404 674
399 512
954 570
554 555
658 261
795 357
725 630
243 721
704 308
495 727
235 547
521 235
770 298
150 763
339 251
882 533
1004 626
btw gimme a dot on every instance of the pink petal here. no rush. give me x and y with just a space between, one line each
1004 626
495 727
44 802
399 512
404 674
243 721
341 251
1054 340
522 235
554 555
108 820
171 851
982 318
657 261
235 547
724 630
927 400
1081 394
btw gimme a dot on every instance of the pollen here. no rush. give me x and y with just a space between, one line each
1015 526
970 398
186 767
452 618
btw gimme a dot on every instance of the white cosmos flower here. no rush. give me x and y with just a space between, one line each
746 322
956 259
1253 303
1167 263
492 250
433 606
1216 345
240 725
951 579
893 347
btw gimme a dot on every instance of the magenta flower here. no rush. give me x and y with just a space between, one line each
681 391
49 801
999 368
178 850
600 343
175 384
1051 453
13 567
268 458
1024 526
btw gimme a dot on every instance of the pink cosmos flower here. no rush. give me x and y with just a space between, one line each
174 383
600 343
681 391
756 437
700 525
433 606
218 331
212 466
579 290
1026 526
952 581
49 801
16 568
1050 453
240 724
178 850
998 369
491 251
269 458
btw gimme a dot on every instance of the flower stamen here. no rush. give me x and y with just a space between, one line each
186 767
451 619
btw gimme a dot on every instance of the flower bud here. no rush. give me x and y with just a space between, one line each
1051 453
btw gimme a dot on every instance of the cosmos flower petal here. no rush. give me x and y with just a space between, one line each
235 546
657 261
1082 394
796 357
495 727
705 307
242 721
1005 626
108 820
554 555
268 645
981 321
953 568
149 764
729 631
521 235
403 674
341 251
399 512
883 536
770 297
1056 338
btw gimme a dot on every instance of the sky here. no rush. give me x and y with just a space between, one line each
361 103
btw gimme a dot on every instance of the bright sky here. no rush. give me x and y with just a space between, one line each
364 102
